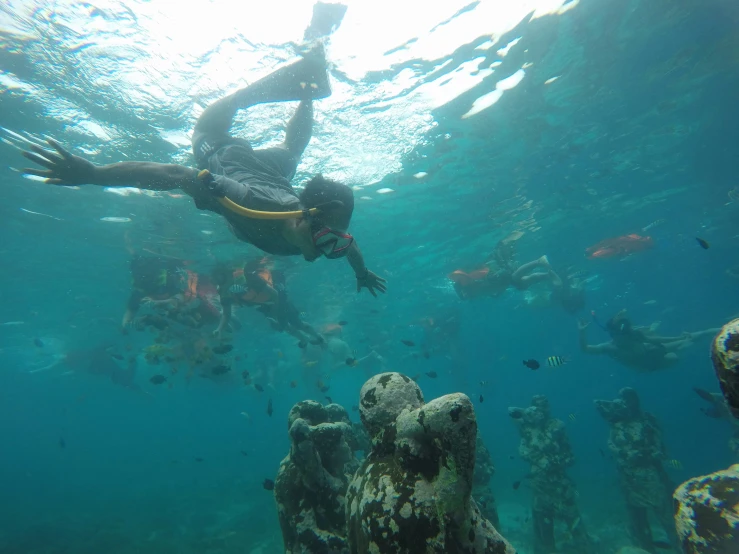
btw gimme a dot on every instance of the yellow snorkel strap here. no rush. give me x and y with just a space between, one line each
229 204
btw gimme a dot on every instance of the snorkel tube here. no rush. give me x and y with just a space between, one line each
220 195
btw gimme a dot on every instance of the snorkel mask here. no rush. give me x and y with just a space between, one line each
331 243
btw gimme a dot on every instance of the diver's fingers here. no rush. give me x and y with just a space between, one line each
372 291
380 287
48 154
37 172
59 148
381 280
40 160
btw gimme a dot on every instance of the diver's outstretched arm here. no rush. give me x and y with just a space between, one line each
603 348
365 278
65 169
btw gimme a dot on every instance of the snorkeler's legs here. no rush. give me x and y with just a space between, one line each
522 281
305 79
299 129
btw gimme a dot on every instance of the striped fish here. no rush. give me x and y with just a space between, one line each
556 361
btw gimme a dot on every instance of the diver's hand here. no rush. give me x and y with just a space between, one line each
62 167
372 282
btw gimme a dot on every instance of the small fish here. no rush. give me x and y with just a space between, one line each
328 399
416 377
343 323
511 457
268 484
703 244
432 374
158 379
302 345
199 460
220 370
352 362
675 464
650 302
408 342
602 454
38 342
117 357
556 361
481 399
663 545
293 384
426 355
245 374
62 443
483 383
280 354
246 415
223 349
269 407
531 364
355 408
572 417
311 363
374 311
324 388
259 387
516 484
244 453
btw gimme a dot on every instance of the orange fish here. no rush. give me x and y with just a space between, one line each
619 247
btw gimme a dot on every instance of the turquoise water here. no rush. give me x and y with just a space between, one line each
640 126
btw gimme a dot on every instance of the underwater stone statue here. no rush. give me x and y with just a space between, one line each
412 494
707 507
484 471
545 446
707 513
636 444
312 480
725 357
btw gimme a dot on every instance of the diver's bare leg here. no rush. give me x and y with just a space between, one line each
299 129
302 80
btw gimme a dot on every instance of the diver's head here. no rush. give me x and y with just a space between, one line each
619 325
320 190
327 228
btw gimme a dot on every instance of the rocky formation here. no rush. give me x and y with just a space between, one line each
545 446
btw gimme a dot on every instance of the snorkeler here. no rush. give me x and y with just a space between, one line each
250 188
155 281
568 292
635 347
488 281
173 292
257 285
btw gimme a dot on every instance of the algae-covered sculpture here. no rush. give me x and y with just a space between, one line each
412 493
312 480
725 357
707 513
637 447
545 446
